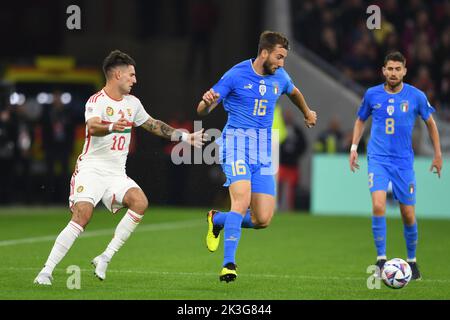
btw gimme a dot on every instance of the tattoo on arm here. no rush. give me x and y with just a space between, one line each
158 128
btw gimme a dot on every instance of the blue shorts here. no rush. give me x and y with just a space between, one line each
262 181
403 181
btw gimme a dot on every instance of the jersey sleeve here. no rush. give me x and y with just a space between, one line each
425 108
141 115
289 84
225 85
92 110
365 110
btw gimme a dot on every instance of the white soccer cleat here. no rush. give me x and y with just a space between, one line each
101 264
44 279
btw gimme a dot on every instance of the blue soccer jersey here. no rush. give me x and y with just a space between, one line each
249 100
390 154
248 97
393 119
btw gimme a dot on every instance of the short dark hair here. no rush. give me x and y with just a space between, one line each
116 58
270 39
394 56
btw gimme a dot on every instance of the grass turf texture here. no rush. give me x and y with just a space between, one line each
298 257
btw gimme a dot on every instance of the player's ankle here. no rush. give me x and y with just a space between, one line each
47 269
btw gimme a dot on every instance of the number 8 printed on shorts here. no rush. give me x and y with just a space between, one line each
370 180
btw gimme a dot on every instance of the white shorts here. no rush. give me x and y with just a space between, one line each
92 186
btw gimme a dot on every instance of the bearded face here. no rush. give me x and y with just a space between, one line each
274 59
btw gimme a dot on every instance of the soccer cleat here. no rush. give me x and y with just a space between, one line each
44 279
213 234
228 272
101 264
380 264
415 271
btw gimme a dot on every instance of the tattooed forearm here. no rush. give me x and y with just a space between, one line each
158 128
166 130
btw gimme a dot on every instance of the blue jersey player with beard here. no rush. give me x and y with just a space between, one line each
394 107
249 92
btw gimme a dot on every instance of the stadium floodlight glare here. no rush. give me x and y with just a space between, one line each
44 98
41 98
14 98
66 98
17 98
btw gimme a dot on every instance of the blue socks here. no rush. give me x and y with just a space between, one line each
411 236
379 234
247 221
232 234
219 219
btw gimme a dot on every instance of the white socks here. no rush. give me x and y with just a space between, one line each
123 231
73 230
62 244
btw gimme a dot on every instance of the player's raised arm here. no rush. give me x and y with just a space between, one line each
159 128
358 131
99 129
434 136
208 103
297 98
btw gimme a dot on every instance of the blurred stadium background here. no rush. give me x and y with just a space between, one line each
182 47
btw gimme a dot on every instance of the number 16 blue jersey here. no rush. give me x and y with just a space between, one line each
245 145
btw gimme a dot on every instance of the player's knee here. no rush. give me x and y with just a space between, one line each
408 216
139 204
136 201
379 208
81 214
260 225
240 207
262 222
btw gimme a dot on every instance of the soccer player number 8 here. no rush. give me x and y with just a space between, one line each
390 126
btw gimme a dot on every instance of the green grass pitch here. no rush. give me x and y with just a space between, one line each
298 257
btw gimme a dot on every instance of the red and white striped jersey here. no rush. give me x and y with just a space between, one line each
109 153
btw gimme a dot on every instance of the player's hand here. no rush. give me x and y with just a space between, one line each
120 125
353 159
310 119
210 97
437 164
197 139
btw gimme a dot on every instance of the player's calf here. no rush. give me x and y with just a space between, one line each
262 220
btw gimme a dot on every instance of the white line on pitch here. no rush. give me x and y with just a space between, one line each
202 274
102 232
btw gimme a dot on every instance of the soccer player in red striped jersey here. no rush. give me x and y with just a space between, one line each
100 170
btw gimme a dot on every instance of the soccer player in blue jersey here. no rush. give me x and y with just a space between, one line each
394 106
249 92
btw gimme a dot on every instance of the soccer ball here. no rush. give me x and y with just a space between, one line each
396 273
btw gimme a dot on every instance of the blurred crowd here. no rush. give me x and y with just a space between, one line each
336 30
36 146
